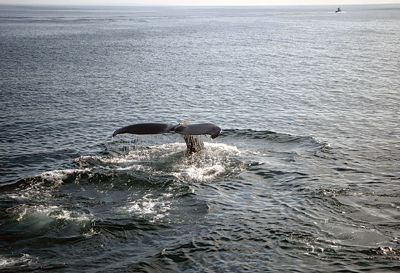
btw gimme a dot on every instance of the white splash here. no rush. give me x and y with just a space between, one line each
200 174
59 175
170 159
155 208
42 212
214 162
45 185
218 148
25 259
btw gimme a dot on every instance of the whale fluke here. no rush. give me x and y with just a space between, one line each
189 131
199 129
145 129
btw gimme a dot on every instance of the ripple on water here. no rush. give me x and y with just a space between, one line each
113 195
230 200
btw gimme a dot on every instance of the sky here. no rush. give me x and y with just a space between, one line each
195 2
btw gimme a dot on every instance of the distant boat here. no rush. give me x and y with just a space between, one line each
338 10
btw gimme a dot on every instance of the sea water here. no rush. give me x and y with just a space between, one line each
304 177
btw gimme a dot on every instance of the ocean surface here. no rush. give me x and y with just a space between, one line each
305 176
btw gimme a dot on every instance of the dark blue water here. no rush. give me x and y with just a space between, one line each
304 178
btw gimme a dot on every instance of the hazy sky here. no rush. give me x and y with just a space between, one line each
196 2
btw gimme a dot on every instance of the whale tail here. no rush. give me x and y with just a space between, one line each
189 132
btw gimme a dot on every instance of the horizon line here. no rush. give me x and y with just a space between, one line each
179 5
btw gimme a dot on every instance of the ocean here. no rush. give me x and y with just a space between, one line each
304 177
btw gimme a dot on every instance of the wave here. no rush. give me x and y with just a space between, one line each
256 140
267 135
20 261
145 184
138 179
150 158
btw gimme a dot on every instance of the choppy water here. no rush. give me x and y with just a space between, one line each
304 178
